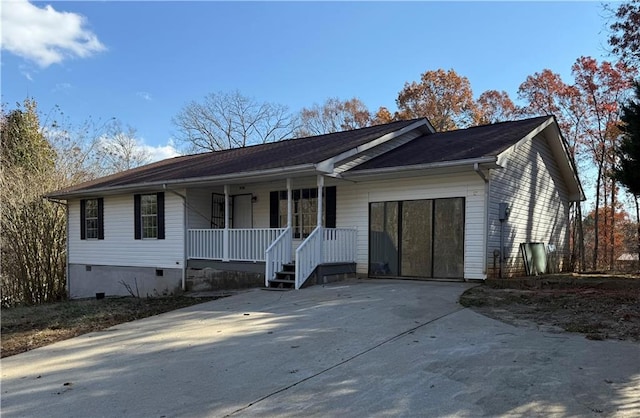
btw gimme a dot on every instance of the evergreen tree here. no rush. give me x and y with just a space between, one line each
627 171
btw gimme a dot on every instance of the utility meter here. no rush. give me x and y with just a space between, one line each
503 211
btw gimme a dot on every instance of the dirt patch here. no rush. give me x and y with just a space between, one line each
27 327
600 307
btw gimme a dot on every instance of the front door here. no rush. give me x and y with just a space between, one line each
417 238
242 213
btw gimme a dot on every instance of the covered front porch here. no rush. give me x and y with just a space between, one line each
286 228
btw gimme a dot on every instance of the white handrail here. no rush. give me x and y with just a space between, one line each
277 254
324 245
308 256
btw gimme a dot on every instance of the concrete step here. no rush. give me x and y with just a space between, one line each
282 284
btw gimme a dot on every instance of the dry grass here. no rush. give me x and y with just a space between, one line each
27 327
600 307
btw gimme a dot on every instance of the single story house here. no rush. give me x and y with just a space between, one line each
397 200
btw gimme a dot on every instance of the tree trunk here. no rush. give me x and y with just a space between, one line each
594 263
635 198
612 238
574 239
583 258
602 264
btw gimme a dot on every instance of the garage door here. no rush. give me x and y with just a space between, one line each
417 238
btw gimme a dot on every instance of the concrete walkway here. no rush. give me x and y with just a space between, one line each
357 349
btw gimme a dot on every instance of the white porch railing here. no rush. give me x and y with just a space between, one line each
278 253
339 245
206 244
251 244
274 247
243 245
324 245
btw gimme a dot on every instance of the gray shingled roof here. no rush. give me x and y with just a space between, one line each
292 152
462 144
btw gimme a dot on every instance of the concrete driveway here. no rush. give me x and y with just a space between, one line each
357 348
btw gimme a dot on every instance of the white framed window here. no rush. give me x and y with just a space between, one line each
91 219
305 210
149 215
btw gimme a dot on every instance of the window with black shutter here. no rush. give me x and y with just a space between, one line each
92 219
149 216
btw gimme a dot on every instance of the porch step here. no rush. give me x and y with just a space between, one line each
289 267
285 279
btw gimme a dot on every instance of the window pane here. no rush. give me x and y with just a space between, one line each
448 238
91 218
383 239
305 211
149 211
416 238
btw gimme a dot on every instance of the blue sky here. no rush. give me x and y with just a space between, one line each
141 62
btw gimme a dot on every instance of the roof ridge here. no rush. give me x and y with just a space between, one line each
227 150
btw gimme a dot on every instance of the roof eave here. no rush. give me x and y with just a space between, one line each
260 175
486 162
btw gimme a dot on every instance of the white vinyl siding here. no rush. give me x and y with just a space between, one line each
199 207
532 185
119 248
353 211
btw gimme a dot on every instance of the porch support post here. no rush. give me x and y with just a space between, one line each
320 211
320 208
225 236
289 205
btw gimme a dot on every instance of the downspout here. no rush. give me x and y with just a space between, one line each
183 283
66 256
476 168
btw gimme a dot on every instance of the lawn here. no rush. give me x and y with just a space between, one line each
597 306
27 327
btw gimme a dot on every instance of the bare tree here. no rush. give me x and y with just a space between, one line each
120 150
231 120
332 116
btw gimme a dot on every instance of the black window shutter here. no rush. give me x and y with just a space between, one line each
83 231
274 203
100 218
160 203
137 217
330 207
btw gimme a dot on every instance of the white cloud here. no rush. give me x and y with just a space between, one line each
44 35
61 88
159 152
144 95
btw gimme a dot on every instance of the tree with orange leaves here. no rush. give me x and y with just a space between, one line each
332 116
602 87
443 97
495 106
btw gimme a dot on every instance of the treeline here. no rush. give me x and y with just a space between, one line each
38 155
